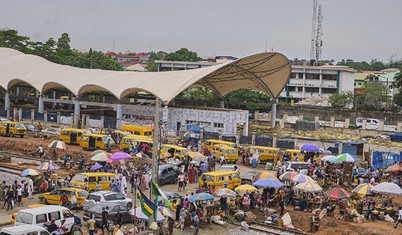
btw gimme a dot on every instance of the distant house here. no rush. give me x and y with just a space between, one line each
141 57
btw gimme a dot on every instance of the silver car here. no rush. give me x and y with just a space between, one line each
107 198
229 167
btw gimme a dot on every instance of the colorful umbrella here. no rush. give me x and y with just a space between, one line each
268 183
387 188
165 155
28 172
346 157
120 156
302 178
331 159
309 187
166 212
363 190
264 174
337 193
224 192
116 162
201 197
310 148
393 168
58 144
288 176
101 157
327 152
48 166
137 213
97 151
96 167
245 188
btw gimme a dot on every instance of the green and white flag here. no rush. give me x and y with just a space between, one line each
158 192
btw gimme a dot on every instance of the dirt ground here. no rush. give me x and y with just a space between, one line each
28 146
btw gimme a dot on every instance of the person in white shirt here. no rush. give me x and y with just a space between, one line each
372 180
30 188
399 217
74 202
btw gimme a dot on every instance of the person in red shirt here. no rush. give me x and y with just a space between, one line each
63 199
43 186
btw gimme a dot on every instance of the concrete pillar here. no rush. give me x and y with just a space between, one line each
273 141
45 117
83 121
253 138
102 121
54 97
220 134
41 105
15 114
332 123
273 115
19 115
364 124
119 116
7 101
316 118
285 118
201 133
256 115
340 147
87 121
222 104
58 118
72 119
77 110
32 115
381 128
296 141
347 123
398 127
269 116
301 118
8 113
17 93
237 138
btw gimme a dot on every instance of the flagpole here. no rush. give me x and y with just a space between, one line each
155 151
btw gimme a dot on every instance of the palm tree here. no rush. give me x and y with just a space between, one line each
398 79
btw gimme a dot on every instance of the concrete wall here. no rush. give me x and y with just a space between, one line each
326 113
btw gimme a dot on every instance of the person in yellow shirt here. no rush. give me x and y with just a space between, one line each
91 226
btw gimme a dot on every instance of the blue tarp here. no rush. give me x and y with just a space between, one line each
395 137
384 159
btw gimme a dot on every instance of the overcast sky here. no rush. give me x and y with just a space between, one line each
358 29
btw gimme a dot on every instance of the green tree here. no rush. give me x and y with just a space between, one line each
341 100
374 96
398 99
63 45
11 39
152 66
398 79
183 55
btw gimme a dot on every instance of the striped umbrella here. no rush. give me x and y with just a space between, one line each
120 156
264 174
331 159
393 168
48 166
58 144
387 188
302 178
245 188
93 153
28 172
309 187
101 157
346 157
288 176
363 190
337 193
224 192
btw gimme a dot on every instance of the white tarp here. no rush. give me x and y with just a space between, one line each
66 120
94 123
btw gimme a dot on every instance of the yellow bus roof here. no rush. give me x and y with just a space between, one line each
220 141
136 126
215 173
96 173
173 146
261 147
223 146
95 135
73 129
10 122
141 137
293 150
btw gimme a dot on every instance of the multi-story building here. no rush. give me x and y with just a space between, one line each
318 81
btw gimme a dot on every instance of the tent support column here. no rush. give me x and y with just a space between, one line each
273 114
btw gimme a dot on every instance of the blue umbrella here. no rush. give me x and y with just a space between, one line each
268 183
201 197
96 167
310 148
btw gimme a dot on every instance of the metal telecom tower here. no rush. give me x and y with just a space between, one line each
316 33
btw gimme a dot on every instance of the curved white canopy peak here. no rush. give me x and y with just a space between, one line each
266 72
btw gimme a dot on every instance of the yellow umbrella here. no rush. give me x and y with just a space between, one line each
363 190
245 188
302 178
264 174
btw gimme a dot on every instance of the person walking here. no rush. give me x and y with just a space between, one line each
40 151
104 220
30 188
91 225
399 217
10 198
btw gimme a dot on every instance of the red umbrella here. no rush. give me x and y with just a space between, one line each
337 193
393 168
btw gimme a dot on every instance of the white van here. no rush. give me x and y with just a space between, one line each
371 124
44 214
26 229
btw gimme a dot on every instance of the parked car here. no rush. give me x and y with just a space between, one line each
229 167
248 178
31 128
51 131
290 166
3 119
54 196
107 198
96 212
371 123
172 195
24 229
167 174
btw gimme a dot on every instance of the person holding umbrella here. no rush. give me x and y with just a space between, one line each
399 217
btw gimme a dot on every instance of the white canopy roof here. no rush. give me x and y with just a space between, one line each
267 72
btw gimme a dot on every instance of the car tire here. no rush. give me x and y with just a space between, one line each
21 136
11 134
129 205
44 201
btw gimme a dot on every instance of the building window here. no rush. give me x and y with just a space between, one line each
313 76
218 125
359 83
293 75
291 88
328 90
300 75
312 89
329 77
355 84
